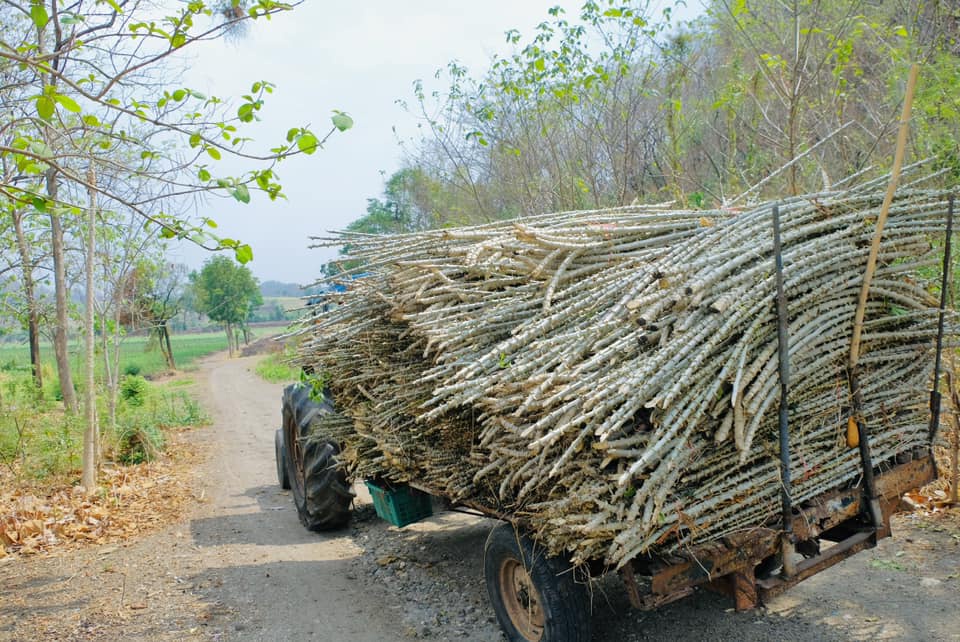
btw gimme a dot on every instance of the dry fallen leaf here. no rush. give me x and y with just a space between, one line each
131 500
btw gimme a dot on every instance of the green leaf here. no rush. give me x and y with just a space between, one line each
342 121
91 121
167 233
178 40
39 204
203 174
245 112
214 153
241 193
307 143
45 107
539 64
179 94
211 223
292 133
194 140
39 15
68 103
244 253
113 5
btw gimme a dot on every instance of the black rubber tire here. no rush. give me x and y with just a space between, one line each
280 453
321 491
562 599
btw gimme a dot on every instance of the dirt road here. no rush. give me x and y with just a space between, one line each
242 568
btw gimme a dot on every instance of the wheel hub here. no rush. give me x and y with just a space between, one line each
522 600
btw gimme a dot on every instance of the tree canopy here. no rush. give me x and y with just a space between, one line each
225 291
753 99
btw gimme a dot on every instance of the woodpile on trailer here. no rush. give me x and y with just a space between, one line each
609 377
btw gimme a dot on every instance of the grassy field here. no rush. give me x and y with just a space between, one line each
136 352
38 440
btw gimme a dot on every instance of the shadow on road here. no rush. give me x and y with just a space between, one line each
283 600
270 521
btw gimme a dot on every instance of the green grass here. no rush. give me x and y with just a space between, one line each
274 369
39 441
138 352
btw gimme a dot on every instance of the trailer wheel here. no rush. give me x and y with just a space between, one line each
319 483
283 477
535 597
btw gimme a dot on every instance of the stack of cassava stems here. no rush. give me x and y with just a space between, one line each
610 377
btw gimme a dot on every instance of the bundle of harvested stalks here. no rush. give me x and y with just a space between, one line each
610 377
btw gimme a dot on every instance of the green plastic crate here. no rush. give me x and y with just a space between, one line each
400 505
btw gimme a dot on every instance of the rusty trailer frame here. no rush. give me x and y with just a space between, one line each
728 565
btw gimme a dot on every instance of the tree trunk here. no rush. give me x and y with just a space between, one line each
91 436
33 321
165 338
229 339
109 374
60 337
115 382
955 463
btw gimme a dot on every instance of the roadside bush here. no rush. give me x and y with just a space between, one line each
56 447
137 443
133 390
174 409
38 441
39 446
131 369
140 429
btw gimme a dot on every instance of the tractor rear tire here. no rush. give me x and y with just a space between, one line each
321 491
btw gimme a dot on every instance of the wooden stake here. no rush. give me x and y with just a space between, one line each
884 211
873 503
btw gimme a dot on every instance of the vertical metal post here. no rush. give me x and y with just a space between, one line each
944 285
787 546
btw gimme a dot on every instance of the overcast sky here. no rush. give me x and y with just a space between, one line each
360 57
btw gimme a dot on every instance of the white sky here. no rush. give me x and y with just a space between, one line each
360 58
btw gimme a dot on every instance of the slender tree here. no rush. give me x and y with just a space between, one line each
227 293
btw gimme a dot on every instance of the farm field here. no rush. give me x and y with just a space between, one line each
136 352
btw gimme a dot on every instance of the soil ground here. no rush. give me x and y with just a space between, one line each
237 565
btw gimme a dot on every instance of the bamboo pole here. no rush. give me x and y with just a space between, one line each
884 212
863 430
